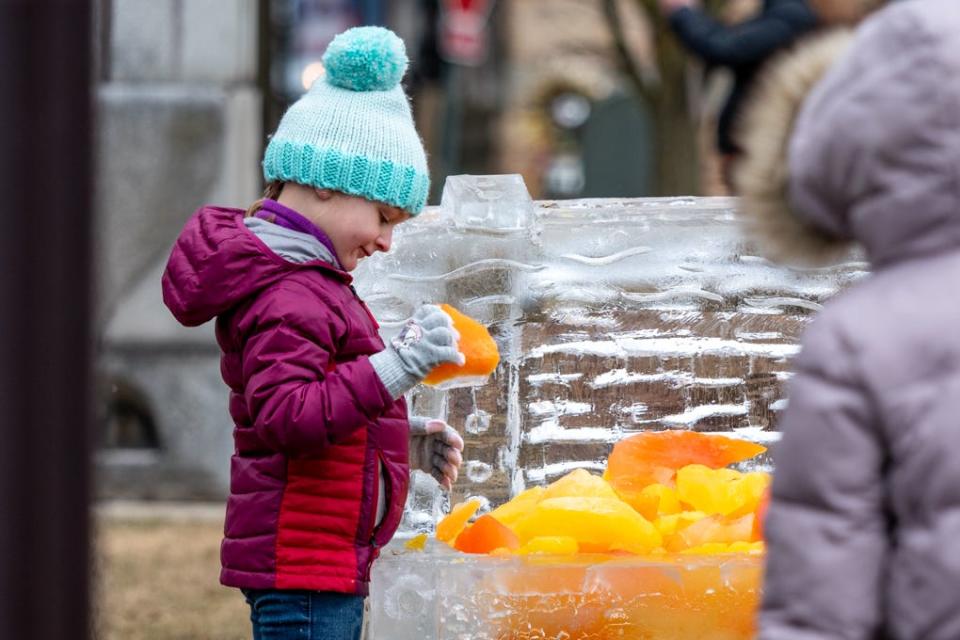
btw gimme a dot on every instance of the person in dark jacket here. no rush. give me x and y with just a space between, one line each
323 442
864 520
741 47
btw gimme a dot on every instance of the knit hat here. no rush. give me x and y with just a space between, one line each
353 131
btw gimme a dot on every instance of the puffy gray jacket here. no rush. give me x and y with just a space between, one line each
864 526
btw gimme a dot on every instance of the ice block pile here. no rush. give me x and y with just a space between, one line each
662 492
663 547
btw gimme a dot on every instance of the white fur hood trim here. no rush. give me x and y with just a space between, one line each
761 175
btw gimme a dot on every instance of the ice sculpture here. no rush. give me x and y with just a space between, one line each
435 595
612 316
488 203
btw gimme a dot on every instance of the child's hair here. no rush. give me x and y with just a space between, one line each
270 192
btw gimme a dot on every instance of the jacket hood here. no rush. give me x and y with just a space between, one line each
875 155
874 152
217 262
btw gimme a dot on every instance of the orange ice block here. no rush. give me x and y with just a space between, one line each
485 535
453 523
655 457
475 344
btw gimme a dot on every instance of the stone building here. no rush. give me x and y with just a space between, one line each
178 108
183 97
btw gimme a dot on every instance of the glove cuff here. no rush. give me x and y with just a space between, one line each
392 374
418 425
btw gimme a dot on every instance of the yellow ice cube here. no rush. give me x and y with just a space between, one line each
597 524
579 483
720 491
416 543
519 507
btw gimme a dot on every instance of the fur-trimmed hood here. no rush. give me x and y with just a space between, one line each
872 153
761 175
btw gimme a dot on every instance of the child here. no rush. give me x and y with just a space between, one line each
319 474
865 516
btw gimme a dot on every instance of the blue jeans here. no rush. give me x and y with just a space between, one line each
304 615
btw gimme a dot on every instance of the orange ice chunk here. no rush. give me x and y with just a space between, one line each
519 507
597 524
452 524
475 344
486 535
655 456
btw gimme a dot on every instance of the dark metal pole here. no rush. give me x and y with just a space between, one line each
452 121
45 304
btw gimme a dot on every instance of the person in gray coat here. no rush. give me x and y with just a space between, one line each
863 531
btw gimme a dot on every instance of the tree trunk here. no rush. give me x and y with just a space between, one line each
677 157
677 166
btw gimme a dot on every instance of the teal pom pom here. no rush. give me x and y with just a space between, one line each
366 59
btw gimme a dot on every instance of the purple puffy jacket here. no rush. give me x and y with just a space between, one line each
864 524
314 426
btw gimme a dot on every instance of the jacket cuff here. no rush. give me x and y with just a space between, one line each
397 380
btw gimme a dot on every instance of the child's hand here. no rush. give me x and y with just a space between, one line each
427 340
435 448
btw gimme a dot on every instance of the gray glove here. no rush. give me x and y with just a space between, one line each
435 448
426 340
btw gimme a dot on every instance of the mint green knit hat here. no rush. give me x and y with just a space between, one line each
353 131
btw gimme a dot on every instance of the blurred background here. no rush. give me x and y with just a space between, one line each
582 98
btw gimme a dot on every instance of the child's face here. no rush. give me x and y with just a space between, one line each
359 228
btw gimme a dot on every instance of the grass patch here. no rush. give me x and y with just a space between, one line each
158 579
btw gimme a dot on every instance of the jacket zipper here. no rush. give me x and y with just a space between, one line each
372 531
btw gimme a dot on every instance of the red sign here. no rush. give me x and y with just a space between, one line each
463 31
